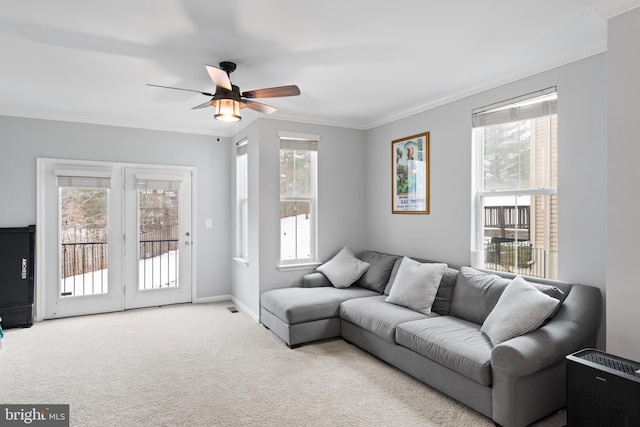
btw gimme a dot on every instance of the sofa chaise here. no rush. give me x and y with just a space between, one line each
473 336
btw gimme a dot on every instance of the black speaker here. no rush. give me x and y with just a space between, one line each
17 273
603 390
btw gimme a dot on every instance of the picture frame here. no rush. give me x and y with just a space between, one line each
410 175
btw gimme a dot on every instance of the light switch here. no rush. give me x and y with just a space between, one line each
208 223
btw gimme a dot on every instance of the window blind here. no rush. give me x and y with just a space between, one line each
298 141
83 178
158 182
530 106
241 147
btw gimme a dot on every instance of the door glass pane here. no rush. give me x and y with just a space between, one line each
158 237
83 241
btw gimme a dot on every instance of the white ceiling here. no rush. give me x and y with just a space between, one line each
358 63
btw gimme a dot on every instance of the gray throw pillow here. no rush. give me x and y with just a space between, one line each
343 269
521 309
377 275
392 277
416 285
475 294
442 304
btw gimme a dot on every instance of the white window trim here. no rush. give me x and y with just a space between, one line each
242 229
303 141
494 114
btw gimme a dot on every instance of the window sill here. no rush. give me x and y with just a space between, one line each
300 266
241 261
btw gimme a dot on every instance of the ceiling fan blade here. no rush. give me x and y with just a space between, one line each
273 92
178 88
219 77
259 107
203 105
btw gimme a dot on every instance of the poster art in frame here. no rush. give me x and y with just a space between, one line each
410 175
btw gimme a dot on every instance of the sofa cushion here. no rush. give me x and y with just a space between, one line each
475 294
299 305
379 271
416 285
454 343
521 309
442 304
343 269
373 314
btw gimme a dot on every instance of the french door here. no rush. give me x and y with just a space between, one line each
115 236
158 249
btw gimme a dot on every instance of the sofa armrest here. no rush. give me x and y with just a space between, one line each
574 327
315 280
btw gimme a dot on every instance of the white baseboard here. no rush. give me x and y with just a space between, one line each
246 309
212 299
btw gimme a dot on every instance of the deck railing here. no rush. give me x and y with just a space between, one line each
519 258
82 258
84 265
82 268
158 263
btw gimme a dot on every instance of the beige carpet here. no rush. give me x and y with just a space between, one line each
201 365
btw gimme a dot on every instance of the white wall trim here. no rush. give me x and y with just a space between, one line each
206 300
246 309
610 8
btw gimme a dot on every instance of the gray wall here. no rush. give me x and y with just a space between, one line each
24 140
341 216
623 250
445 234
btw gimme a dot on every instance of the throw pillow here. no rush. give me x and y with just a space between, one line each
416 285
377 275
475 294
521 309
442 304
343 269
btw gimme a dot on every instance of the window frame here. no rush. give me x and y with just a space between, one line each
302 142
519 109
242 201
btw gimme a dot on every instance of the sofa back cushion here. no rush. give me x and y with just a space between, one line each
442 304
476 293
377 275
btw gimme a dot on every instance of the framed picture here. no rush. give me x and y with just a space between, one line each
410 175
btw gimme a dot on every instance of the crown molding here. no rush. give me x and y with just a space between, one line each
590 49
135 124
610 8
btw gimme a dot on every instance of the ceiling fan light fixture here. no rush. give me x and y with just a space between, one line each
227 110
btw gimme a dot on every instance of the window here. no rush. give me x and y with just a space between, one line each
298 201
83 228
242 201
516 205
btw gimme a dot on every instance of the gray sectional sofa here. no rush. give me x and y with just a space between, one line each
461 344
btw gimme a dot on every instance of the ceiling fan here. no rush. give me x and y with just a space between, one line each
227 98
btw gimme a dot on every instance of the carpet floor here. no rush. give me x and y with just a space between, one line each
202 365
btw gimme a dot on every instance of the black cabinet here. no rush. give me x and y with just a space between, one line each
17 276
